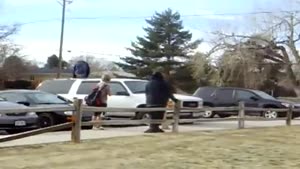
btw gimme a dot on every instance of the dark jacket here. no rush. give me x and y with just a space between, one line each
158 91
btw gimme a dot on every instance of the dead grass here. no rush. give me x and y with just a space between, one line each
268 148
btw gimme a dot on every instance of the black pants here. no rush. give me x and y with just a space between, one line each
158 115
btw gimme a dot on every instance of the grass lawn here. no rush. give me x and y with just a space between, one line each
267 148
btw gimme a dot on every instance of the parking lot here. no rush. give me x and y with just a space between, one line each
110 132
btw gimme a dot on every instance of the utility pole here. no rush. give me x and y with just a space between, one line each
61 38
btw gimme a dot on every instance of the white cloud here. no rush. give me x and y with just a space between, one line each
40 50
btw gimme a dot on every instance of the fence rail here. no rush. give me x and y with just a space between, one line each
78 109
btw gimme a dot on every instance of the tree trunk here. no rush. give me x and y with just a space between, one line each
288 66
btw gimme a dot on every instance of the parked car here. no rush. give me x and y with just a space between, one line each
14 122
128 93
229 96
34 98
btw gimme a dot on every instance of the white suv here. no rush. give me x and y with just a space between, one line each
126 93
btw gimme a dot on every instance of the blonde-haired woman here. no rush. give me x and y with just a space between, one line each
104 87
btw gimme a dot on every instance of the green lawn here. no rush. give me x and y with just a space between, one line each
268 148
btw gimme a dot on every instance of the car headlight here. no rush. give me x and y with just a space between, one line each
285 104
200 104
68 113
1 115
31 114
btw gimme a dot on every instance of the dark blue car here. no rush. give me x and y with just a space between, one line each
231 96
15 122
35 98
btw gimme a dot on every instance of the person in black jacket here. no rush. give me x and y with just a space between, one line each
158 93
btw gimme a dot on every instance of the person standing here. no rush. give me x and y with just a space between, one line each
158 93
104 88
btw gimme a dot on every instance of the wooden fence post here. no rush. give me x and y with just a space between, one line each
76 119
241 117
165 124
289 115
176 117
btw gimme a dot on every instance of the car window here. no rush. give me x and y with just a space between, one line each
12 97
205 92
56 86
2 99
86 87
224 94
45 98
244 95
136 86
116 87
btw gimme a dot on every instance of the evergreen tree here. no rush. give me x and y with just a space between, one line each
165 45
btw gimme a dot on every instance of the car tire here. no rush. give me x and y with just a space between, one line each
46 120
208 113
13 131
270 114
142 116
87 127
224 115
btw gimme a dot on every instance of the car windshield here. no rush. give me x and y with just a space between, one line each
264 95
136 86
45 98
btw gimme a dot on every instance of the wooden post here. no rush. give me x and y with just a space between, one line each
241 117
165 124
176 117
289 115
76 119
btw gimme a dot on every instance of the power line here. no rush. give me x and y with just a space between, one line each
145 17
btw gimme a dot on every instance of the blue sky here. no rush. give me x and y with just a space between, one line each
109 35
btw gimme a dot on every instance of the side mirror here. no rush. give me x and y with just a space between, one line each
254 98
24 103
122 94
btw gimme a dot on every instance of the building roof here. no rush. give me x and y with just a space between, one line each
50 71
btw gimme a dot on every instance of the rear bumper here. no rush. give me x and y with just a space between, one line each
10 122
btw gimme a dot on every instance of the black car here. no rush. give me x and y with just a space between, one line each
14 122
229 96
34 98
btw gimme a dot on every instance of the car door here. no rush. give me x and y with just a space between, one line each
249 99
120 98
224 98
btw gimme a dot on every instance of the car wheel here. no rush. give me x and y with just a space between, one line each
208 113
224 115
142 116
270 114
46 120
87 127
13 131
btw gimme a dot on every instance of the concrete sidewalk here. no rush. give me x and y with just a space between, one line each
64 136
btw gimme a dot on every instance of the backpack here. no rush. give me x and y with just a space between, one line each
94 98
81 69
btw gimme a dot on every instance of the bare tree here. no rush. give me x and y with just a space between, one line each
96 65
14 68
